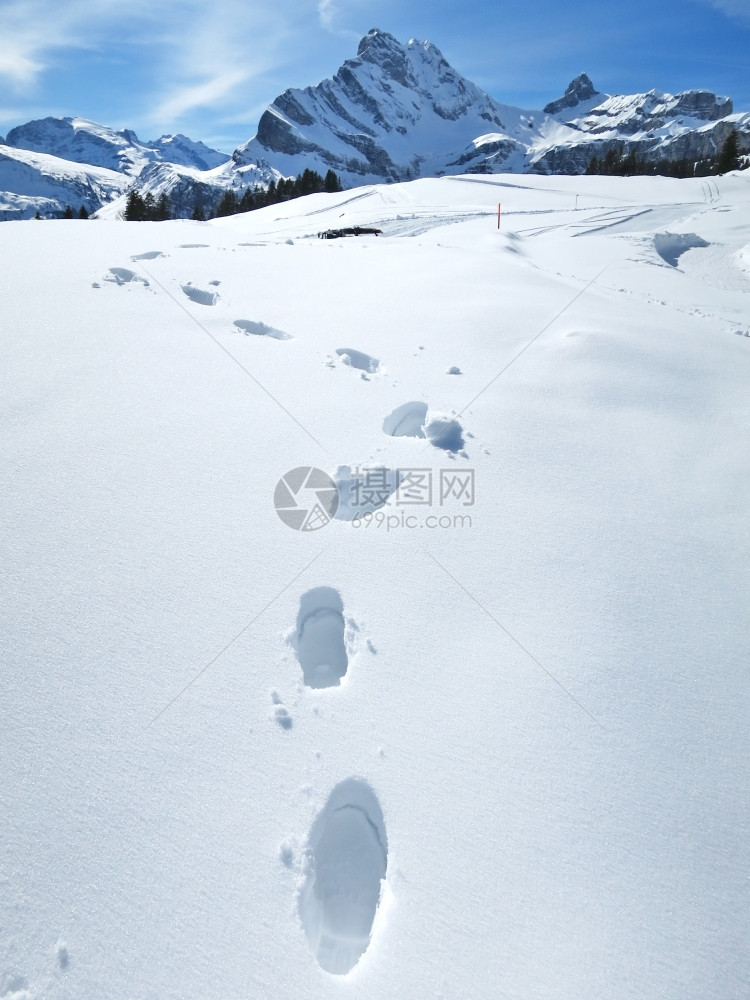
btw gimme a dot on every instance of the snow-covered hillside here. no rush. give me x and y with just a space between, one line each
490 739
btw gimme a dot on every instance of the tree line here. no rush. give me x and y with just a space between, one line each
140 208
617 163
68 213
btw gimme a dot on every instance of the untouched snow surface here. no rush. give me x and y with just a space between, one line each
490 740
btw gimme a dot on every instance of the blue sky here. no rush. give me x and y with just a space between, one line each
209 69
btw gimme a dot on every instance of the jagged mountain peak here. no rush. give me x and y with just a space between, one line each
376 41
394 111
579 89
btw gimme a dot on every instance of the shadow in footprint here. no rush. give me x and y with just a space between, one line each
249 326
347 858
123 276
445 433
320 638
200 296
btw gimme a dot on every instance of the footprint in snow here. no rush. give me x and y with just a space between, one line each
319 638
406 420
358 359
200 295
123 276
346 860
410 420
251 327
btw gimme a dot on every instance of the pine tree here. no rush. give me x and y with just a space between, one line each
68 213
729 157
82 212
331 184
163 210
37 216
149 207
198 214
227 205
135 208
248 201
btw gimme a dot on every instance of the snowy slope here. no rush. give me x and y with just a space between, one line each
540 734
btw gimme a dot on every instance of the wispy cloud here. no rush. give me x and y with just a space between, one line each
739 9
35 33
198 95
204 54
209 59
327 11
330 14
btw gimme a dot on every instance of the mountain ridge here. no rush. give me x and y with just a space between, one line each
391 113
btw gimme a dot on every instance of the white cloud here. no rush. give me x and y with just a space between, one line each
198 95
329 14
34 32
327 11
17 66
195 55
739 9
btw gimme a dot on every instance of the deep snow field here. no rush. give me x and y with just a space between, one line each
499 733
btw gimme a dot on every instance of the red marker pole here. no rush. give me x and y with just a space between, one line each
498 215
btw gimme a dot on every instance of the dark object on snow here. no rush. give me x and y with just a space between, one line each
334 234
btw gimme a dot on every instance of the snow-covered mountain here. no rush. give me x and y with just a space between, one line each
400 111
584 123
52 159
33 182
84 141
394 112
